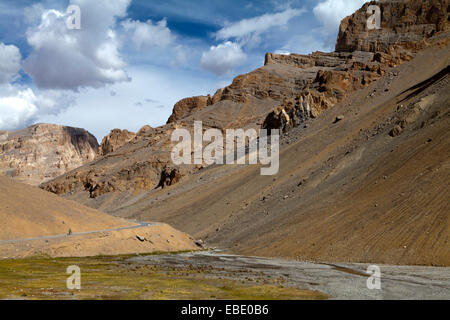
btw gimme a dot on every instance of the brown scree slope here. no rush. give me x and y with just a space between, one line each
372 187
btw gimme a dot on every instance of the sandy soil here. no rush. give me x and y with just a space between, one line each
155 238
29 212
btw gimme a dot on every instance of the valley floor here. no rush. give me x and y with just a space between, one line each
214 275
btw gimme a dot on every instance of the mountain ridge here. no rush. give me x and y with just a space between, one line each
363 156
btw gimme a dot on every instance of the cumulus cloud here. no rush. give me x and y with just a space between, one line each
33 13
61 61
221 59
148 34
62 58
17 109
331 12
254 26
246 33
10 62
21 106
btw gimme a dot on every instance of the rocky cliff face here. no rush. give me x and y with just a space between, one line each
44 151
284 93
404 25
138 166
322 79
114 140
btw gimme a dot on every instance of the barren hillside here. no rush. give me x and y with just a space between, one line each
372 187
364 163
35 222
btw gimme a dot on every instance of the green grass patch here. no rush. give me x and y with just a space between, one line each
113 277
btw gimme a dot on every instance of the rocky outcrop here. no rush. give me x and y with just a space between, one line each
187 106
44 151
294 112
144 131
285 92
139 165
114 140
169 176
404 24
361 57
327 79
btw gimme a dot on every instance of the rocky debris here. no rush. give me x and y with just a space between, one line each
290 114
44 151
114 140
199 243
338 118
169 176
396 131
142 239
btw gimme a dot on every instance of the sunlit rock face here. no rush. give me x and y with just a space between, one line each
405 24
44 151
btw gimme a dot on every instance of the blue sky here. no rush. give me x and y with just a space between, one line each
133 59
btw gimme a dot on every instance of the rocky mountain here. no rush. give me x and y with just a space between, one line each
44 151
362 162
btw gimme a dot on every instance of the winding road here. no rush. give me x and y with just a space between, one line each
58 236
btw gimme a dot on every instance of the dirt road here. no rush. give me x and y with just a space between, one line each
58 236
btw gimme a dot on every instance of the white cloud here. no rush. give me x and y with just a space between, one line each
10 62
221 59
71 59
33 13
331 12
282 52
60 60
148 34
17 109
21 106
181 56
150 82
305 43
257 25
248 33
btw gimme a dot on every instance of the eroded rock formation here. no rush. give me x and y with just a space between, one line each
44 151
114 140
404 25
